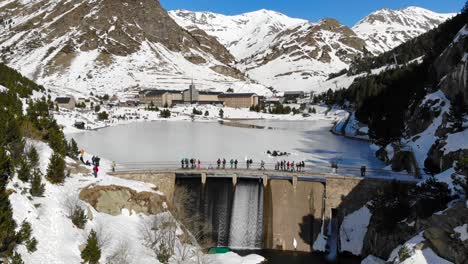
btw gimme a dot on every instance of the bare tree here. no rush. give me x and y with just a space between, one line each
159 235
120 255
75 211
103 236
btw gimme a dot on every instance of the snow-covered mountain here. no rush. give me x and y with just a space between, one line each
293 54
243 35
386 28
301 57
278 51
110 45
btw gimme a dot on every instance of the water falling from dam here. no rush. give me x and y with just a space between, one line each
234 214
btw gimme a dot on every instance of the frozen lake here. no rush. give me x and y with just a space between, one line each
169 141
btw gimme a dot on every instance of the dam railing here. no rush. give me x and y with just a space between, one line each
271 168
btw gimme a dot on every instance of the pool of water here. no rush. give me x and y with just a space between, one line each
292 257
167 141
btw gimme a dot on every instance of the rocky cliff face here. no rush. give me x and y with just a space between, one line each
452 66
82 45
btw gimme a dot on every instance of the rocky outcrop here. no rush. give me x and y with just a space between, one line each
438 232
381 244
228 71
112 199
404 161
440 235
452 66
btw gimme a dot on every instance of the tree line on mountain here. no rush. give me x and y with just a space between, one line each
383 100
21 159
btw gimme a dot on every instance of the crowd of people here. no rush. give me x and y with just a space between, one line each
95 160
222 164
290 166
283 165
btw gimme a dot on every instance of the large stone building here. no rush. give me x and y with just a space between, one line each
209 96
66 102
190 95
239 100
160 98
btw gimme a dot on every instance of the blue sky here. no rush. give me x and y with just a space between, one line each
346 11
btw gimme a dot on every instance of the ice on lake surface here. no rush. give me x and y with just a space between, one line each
167 141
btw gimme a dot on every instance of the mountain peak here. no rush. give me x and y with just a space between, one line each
387 28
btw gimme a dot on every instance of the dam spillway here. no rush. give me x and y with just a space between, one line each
234 214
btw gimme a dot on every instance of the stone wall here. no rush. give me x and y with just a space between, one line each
348 194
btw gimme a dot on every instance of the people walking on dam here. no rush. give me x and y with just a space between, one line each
219 163
224 163
292 166
95 171
334 167
113 165
287 165
235 164
262 165
182 163
363 171
232 163
199 164
247 163
186 163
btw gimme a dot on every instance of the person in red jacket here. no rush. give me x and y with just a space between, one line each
95 171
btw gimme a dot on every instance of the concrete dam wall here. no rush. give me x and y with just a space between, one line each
264 211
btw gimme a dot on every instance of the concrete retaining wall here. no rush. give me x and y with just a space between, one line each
292 213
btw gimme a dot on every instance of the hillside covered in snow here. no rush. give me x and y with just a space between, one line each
109 46
293 54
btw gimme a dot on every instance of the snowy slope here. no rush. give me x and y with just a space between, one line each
243 35
302 57
59 240
386 28
108 46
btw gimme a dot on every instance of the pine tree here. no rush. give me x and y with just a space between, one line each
33 157
221 113
7 223
207 113
91 253
57 141
24 172
5 163
73 149
37 187
16 259
24 234
56 169
457 111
